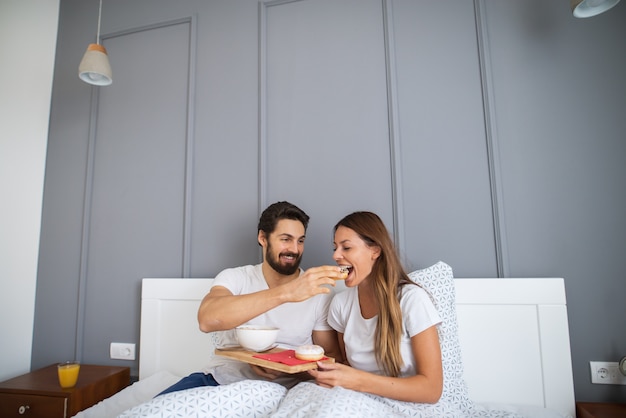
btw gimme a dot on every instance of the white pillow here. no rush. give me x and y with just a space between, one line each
438 281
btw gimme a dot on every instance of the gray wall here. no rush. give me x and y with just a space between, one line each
489 135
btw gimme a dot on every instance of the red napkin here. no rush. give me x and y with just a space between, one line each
287 357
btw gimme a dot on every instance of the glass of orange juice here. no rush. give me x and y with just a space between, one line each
68 374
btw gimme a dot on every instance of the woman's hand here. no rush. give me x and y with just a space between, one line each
424 387
336 374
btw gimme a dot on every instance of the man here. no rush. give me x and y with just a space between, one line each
274 293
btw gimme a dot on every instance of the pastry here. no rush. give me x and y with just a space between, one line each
309 352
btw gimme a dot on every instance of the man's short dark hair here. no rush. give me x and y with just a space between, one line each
281 210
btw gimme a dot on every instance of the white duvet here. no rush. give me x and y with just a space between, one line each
253 398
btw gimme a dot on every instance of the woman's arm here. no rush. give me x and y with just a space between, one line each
425 387
328 341
342 348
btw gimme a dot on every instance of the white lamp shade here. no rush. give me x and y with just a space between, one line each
94 68
588 8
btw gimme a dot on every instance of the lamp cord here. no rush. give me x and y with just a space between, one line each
99 17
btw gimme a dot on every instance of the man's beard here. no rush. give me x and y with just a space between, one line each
274 261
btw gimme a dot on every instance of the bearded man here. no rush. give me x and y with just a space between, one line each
275 293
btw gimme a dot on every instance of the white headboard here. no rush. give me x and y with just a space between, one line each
514 336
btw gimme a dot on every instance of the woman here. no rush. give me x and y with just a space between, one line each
386 323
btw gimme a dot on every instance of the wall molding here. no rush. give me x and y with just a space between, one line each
392 114
89 176
491 133
395 155
262 119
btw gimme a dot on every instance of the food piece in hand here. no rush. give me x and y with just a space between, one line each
344 270
309 352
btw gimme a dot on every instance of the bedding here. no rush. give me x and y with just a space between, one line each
266 399
438 281
137 401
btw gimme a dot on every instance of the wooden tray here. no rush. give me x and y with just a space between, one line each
244 355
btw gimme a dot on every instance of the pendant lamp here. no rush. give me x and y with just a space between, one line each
588 8
94 68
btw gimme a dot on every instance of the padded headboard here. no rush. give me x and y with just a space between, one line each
514 336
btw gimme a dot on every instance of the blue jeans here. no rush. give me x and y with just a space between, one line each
194 380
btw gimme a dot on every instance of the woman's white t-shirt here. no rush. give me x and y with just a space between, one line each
418 314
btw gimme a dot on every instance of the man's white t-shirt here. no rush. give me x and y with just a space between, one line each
296 321
418 314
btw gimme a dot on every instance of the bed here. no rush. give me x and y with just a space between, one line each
505 346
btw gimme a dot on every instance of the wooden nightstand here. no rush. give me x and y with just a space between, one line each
38 393
600 410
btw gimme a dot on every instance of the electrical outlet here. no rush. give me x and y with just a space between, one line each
122 351
606 373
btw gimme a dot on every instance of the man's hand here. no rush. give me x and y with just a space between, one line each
269 374
312 281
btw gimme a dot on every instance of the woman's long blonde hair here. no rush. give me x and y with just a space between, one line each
387 277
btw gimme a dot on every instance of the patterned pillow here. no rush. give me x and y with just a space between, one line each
438 281
248 398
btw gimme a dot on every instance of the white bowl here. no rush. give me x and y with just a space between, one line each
256 337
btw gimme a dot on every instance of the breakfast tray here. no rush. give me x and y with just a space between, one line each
248 356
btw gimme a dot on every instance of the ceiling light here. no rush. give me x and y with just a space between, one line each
588 8
94 68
